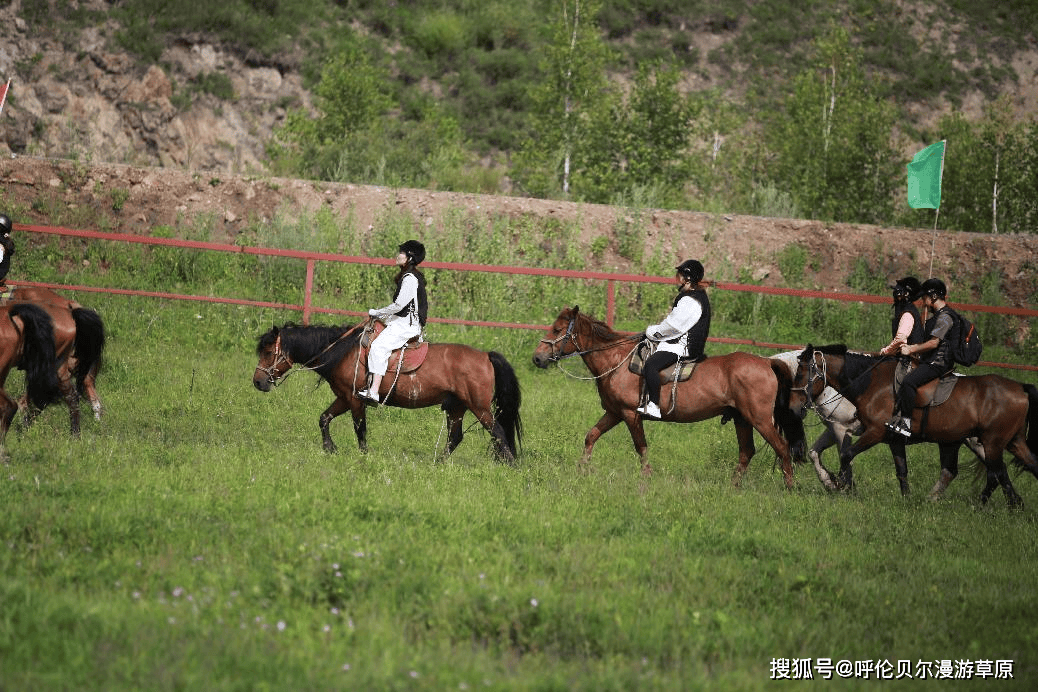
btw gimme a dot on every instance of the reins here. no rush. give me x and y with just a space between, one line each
281 356
578 351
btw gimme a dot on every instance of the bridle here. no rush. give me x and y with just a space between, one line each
814 374
274 376
556 356
570 337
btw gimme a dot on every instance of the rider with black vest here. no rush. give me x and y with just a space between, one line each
906 326
935 353
6 247
404 317
681 334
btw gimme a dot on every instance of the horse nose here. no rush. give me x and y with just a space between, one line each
261 383
539 360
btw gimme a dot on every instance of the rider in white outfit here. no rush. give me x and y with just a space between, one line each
681 334
404 317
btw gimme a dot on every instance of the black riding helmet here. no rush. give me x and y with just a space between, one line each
934 288
5 224
691 270
414 250
907 290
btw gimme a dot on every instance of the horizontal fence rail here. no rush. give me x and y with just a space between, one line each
311 258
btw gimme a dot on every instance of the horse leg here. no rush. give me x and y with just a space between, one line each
899 453
455 432
744 434
826 440
90 390
949 469
607 422
8 409
637 430
997 467
337 408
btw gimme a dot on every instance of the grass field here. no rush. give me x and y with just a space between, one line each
198 538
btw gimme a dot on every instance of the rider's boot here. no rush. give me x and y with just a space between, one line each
371 393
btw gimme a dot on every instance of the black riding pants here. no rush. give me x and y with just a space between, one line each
655 363
923 373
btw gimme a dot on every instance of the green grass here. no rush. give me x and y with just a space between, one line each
198 538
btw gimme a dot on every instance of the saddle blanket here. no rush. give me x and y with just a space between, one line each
680 371
414 352
933 393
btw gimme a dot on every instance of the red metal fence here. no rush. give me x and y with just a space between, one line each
307 308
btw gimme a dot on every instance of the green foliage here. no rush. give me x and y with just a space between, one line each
834 153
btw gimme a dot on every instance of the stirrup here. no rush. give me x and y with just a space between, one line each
650 410
366 395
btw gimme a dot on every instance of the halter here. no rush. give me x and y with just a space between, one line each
271 371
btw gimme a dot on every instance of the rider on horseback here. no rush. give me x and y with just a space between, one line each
940 333
681 334
906 326
6 247
404 317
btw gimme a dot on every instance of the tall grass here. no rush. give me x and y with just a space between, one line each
198 538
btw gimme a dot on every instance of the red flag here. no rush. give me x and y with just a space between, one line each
3 94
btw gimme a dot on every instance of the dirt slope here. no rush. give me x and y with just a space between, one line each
725 243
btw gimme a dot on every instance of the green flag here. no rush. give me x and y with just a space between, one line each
924 177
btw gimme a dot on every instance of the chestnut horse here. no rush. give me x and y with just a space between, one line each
80 337
26 342
751 390
454 376
1001 413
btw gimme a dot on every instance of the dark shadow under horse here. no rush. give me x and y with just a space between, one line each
454 376
1001 413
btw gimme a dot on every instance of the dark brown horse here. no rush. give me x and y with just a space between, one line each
454 376
752 390
79 338
1001 413
26 342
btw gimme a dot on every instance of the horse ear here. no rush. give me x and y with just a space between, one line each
576 309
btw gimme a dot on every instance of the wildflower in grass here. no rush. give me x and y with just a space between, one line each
281 625
533 602
178 592
326 629
345 666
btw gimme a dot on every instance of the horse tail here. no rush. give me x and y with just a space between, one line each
1032 418
39 359
90 343
507 399
789 423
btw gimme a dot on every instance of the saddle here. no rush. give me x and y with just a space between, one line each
413 352
679 372
933 393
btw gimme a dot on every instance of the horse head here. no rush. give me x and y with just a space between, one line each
808 382
273 361
560 341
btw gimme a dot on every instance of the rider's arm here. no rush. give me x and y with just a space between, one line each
682 318
408 292
904 330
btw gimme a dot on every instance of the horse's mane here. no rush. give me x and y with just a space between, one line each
857 368
318 347
601 330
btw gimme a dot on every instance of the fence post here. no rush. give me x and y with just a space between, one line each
610 302
308 296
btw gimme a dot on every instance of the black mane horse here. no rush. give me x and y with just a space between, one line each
454 376
1002 413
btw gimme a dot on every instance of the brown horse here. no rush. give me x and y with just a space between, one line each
1001 413
26 342
454 376
80 338
751 390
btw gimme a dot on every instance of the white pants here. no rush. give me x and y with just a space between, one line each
396 334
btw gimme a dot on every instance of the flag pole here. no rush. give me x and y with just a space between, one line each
937 212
